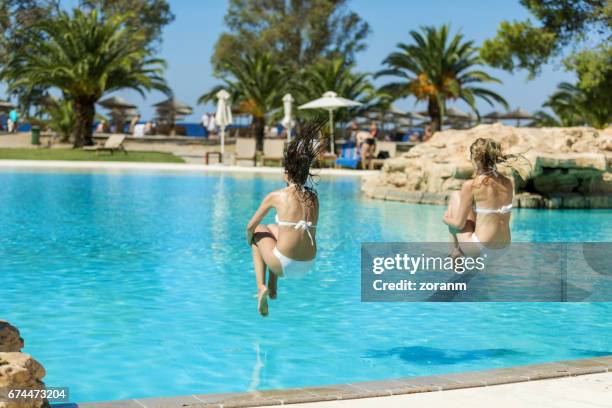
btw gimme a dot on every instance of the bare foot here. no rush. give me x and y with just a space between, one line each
272 281
262 303
455 253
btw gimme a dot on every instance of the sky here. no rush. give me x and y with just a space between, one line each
188 44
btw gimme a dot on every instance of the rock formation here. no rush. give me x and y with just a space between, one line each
18 371
565 167
10 340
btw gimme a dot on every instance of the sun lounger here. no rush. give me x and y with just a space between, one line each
114 142
349 157
246 149
389 147
273 150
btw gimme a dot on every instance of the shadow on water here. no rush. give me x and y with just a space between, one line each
428 355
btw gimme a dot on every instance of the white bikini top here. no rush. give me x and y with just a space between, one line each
501 210
301 224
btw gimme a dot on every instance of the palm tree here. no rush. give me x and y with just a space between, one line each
543 118
337 76
61 117
85 56
436 68
575 106
256 82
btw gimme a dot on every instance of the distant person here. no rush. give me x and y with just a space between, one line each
478 216
148 129
274 133
204 120
368 146
287 248
212 126
133 124
427 134
100 127
13 121
414 137
139 130
353 129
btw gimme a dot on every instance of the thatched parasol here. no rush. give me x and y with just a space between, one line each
6 106
518 114
116 102
493 116
170 110
120 111
454 113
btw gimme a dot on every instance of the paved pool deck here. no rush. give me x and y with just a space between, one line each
540 385
163 167
585 391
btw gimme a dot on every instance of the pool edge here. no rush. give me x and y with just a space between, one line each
163 167
370 389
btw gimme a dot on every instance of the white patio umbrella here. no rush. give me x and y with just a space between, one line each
330 102
223 117
287 121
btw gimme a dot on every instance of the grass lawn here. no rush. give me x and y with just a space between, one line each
82 155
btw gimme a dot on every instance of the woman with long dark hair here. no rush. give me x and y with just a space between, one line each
288 248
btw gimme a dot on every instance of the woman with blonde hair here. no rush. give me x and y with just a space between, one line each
478 216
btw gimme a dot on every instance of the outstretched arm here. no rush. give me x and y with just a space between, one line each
459 218
259 215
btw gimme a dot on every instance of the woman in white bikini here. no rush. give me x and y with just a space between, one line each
287 248
478 216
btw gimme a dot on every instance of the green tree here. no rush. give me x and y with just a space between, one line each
563 23
150 16
575 106
85 56
295 32
545 119
61 117
256 83
437 68
577 31
16 18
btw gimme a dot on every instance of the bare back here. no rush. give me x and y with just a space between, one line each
292 207
493 192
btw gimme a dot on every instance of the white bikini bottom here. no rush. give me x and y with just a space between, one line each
489 253
291 267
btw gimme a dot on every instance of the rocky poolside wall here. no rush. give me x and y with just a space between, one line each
18 371
565 167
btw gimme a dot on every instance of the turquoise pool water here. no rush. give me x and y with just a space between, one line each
140 285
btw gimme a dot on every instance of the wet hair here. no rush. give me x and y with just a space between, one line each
300 154
487 153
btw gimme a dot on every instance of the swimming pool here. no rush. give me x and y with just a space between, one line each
138 285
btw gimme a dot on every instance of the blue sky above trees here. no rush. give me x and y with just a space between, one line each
188 45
